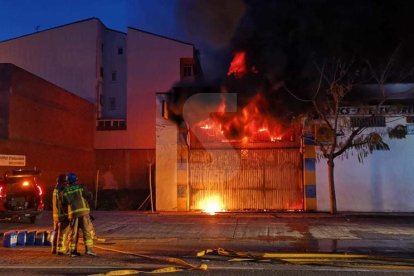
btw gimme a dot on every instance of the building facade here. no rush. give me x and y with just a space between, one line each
50 126
288 176
119 73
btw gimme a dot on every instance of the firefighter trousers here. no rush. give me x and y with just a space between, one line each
85 225
60 238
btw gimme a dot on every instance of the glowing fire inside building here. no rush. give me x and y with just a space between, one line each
243 160
248 125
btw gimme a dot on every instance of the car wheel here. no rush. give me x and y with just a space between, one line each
32 219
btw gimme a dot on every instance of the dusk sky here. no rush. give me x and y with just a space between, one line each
208 24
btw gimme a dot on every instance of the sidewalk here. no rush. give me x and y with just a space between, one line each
303 232
182 235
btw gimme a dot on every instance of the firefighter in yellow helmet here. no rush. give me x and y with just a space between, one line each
60 218
76 196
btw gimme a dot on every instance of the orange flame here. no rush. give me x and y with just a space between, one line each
251 124
238 65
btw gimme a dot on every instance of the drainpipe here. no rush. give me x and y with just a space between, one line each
188 141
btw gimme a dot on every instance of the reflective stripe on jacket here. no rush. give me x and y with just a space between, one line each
60 209
75 195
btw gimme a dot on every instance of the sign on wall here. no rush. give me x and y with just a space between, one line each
12 160
377 110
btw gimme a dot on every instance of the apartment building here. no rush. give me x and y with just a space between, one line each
119 73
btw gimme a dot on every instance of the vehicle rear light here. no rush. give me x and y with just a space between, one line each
39 189
2 191
41 206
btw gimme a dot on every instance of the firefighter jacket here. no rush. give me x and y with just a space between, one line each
76 195
59 207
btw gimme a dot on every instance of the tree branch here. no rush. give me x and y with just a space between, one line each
349 141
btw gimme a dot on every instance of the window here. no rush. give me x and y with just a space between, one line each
186 68
376 121
101 72
112 103
111 124
120 51
113 75
102 47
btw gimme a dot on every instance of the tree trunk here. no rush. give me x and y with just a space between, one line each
331 182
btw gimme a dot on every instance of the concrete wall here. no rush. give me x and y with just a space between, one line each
124 169
65 56
382 183
153 65
5 79
71 56
114 63
166 160
51 126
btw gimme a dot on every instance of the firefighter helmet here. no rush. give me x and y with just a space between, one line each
71 177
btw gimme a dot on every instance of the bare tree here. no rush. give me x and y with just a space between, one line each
337 136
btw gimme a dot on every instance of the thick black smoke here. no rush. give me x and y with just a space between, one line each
286 39
210 24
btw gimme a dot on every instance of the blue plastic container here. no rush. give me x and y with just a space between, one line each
40 238
30 238
21 238
10 239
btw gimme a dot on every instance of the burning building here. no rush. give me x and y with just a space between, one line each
227 152
220 150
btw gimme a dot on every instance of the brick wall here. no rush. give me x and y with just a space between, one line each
53 128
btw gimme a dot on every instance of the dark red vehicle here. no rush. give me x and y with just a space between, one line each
21 195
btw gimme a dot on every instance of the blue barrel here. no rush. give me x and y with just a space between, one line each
30 238
21 238
10 239
40 238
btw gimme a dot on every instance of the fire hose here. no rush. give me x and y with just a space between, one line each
321 259
180 265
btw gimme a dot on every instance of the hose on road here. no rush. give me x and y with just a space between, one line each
322 259
181 265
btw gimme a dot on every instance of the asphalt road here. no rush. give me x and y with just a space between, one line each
143 241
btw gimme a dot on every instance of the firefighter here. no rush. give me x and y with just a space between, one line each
76 196
60 218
